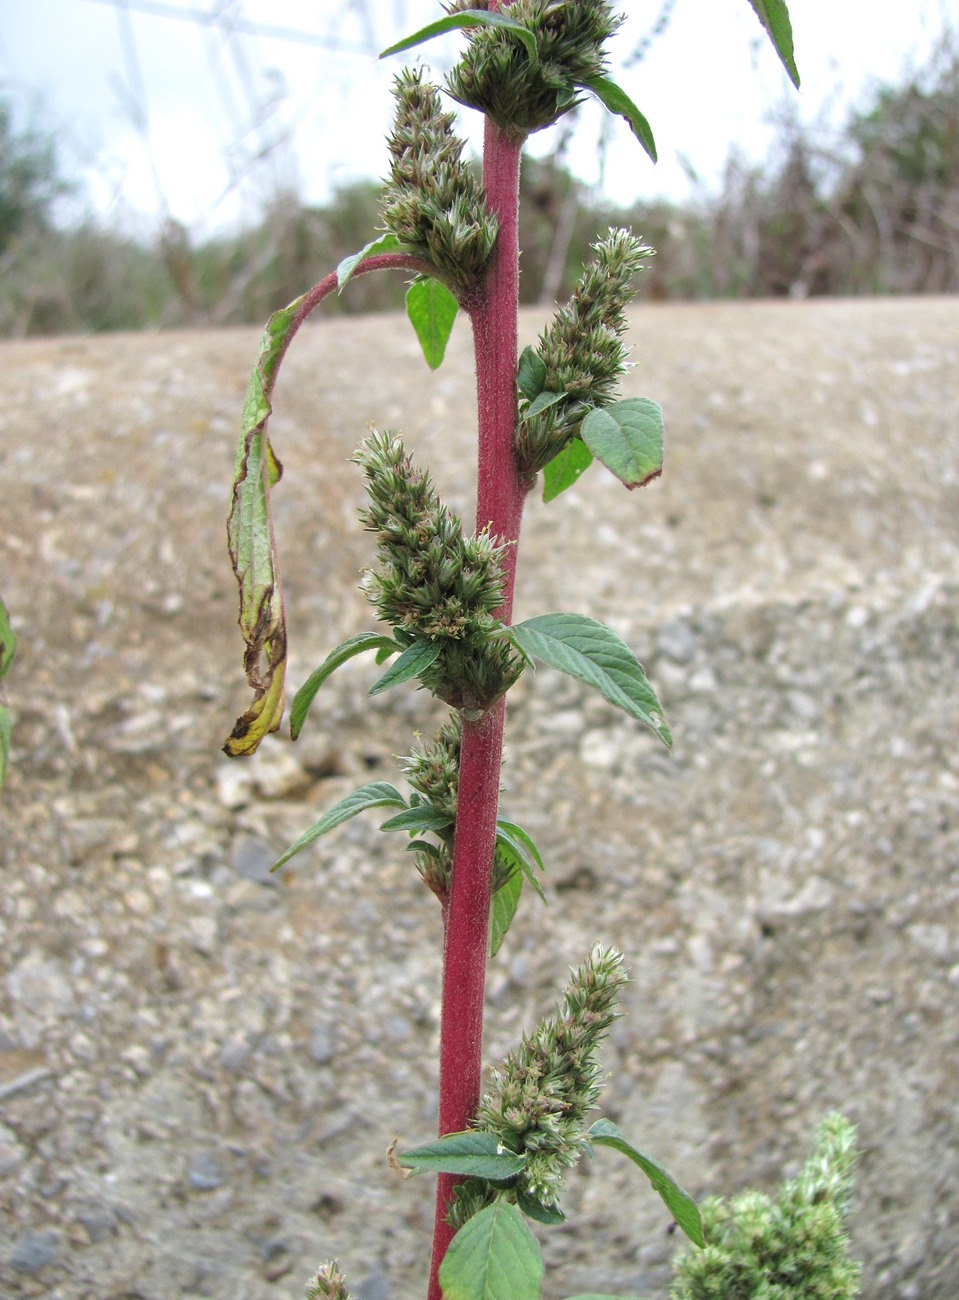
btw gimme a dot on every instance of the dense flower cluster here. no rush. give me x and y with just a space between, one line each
497 76
793 1246
434 583
583 350
432 202
542 1093
433 772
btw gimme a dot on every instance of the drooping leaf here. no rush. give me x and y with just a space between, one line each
593 653
8 648
356 645
414 660
421 817
458 21
530 374
379 794
536 1210
627 437
613 97
503 907
774 16
472 1154
253 545
387 243
565 468
432 310
679 1202
512 840
494 1256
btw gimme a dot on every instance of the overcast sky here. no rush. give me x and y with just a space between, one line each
202 120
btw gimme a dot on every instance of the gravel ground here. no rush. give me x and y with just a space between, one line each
201 1065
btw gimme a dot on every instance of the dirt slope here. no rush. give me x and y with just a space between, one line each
200 1066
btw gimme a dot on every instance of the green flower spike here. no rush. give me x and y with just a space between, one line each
432 202
581 356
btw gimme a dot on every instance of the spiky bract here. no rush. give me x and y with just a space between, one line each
432 202
583 349
542 1093
434 583
327 1284
497 76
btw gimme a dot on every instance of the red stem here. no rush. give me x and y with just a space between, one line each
499 505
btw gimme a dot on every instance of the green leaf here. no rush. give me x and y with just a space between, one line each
679 1203
466 18
381 244
513 841
628 438
432 310
414 660
594 654
530 374
253 545
472 1154
356 645
494 1256
503 907
537 1211
617 101
379 794
4 741
565 468
420 817
774 16
541 402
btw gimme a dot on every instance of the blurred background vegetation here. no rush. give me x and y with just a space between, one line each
872 209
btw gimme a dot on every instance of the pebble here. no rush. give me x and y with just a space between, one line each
41 992
278 775
205 1173
12 1152
98 1221
252 859
34 1250
323 1045
676 640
